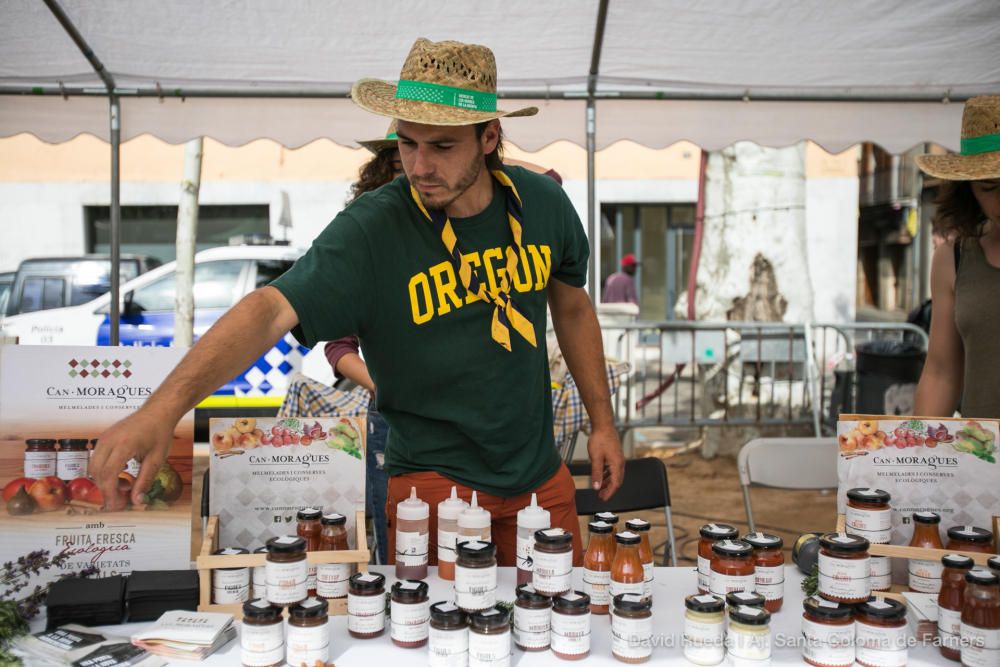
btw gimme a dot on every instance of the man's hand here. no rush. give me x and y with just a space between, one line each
141 436
607 463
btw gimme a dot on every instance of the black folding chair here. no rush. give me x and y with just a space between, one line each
644 488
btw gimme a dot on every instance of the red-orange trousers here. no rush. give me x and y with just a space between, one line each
557 495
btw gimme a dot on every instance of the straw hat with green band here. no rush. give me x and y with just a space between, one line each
388 141
441 83
979 158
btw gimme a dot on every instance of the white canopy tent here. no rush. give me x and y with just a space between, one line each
714 72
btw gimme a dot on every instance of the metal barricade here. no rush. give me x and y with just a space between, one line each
737 373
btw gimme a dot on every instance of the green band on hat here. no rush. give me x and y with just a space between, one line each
392 135
983 144
461 98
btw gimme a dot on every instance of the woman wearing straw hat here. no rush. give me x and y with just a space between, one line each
963 360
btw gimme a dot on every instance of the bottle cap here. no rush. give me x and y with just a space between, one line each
627 537
733 548
572 600
957 561
534 517
474 516
718 531
309 514
927 517
705 603
554 537
600 527
827 609
763 541
451 507
309 608
413 508
261 610
749 615
970 534
607 517
637 525
333 519
866 495
882 608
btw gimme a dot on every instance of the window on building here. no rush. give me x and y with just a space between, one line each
152 230
661 237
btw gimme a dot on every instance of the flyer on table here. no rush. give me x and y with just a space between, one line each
947 466
72 394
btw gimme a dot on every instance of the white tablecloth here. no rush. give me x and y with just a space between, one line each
670 587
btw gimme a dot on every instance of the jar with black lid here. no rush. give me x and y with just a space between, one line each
409 614
489 638
476 575
710 534
262 637
571 626
745 598
748 639
880 633
308 638
286 570
366 605
869 515
768 568
553 561
532 619
449 636
230 585
704 629
950 600
970 538
39 458
844 568
631 628
72 458
732 567
828 633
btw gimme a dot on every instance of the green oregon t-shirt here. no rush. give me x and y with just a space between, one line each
457 403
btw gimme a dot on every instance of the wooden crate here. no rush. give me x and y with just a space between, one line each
206 562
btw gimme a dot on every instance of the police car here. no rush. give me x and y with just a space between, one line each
222 276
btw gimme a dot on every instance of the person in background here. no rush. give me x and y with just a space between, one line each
963 359
620 286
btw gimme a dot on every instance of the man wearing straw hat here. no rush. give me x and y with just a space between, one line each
446 276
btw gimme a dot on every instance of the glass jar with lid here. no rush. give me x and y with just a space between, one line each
748 637
844 568
970 538
641 528
286 570
880 633
532 619
409 614
981 618
597 563
869 515
230 585
366 605
332 578
827 633
448 644
39 458
308 639
745 599
627 575
489 638
571 626
950 600
710 534
72 458
262 635
768 568
632 628
732 568
553 561
704 629
925 575
476 575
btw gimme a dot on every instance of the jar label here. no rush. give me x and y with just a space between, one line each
260 578
880 573
237 578
873 525
845 578
647 579
598 586
409 621
262 645
232 594
925 575
411 548
704 643
475 588
621 588
525 549
531 627
880 646
70 465
704 573
828 644
571 634
446 545
333 580
448 648
362 617
769 581
949 627
39 464
720 584
748 645
286 582
553 573
631 637
489 650
980 646
311 576
309 645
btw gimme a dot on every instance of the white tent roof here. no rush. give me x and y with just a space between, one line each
834 72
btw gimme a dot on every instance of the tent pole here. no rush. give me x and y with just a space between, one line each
116 217
593 231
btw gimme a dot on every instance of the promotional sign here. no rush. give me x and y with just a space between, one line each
946 466
262 471
55 401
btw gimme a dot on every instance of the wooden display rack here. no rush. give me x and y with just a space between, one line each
206 562
920 553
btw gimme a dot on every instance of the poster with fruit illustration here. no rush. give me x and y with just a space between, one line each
262 471
55 401
947 466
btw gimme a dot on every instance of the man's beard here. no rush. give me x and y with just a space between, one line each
445 199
